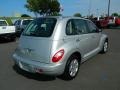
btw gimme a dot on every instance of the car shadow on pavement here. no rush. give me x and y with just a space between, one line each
2 41
34 76
114 27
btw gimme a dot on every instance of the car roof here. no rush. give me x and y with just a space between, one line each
63 17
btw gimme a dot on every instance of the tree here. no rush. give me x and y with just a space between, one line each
43 7
54 7
8 19
77 15
115 14
25 15
91 16
56 14
119 16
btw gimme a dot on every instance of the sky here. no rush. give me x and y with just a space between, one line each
70 7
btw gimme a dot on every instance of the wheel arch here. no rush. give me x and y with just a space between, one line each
78 54
102 40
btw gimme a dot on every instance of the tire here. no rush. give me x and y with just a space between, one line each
105 47
72 68
13 38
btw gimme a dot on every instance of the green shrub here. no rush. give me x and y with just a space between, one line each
9 21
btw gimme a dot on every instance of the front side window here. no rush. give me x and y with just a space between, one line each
92 27
42 27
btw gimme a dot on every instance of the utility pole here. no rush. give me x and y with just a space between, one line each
108 8
89 9
97 12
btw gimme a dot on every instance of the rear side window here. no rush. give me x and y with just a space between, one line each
70 28
80 26
41 27
3 23
76 27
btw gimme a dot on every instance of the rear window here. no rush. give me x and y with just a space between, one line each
42 27
17 22
3 23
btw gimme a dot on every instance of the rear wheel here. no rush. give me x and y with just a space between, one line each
13 38
105 47
72 68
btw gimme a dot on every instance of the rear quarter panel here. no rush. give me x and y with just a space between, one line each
62 41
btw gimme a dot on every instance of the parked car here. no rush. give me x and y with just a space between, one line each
6 31
21 24
100 22
117 21
58 45
113 21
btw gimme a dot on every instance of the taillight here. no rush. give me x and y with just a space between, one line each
58 56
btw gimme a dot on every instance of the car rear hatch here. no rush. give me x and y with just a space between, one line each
35 42
7 29
37 49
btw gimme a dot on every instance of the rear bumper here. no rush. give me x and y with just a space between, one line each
38 67
8 35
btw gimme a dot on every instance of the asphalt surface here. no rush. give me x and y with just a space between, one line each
102 72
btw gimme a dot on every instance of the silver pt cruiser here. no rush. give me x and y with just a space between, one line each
58 45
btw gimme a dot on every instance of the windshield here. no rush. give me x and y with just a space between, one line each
42 27
26 22
3 23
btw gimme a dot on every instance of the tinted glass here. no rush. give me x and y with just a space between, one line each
3 23
17 22
70 28
92 27
42 27
76 27
80 26
26 22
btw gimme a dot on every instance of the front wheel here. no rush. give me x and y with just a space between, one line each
72 68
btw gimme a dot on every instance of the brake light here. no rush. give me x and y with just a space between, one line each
58 56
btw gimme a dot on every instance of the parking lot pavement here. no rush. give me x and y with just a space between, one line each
102 72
